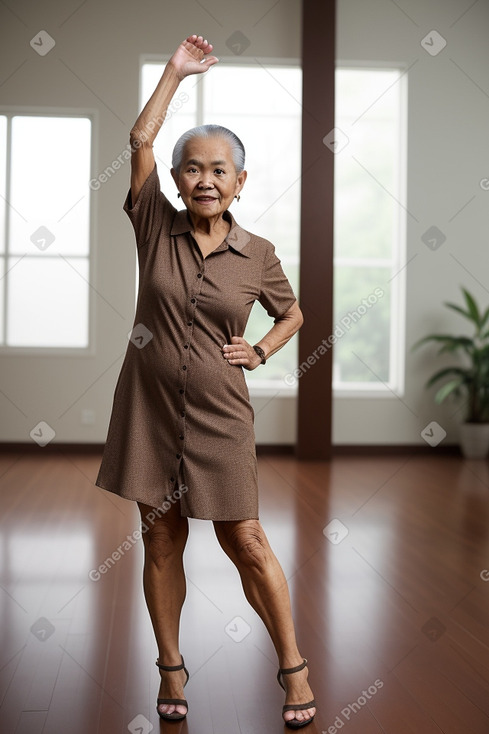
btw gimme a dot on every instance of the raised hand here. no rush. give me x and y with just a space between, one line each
189 58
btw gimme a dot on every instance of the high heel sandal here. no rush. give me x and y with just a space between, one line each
175 716
295 723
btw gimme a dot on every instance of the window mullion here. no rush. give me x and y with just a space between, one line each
200 102
8 168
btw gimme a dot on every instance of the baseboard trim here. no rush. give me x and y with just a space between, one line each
261 449
395 449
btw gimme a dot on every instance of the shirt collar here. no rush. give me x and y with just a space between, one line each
237 238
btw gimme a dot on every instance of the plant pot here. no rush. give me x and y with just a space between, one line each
474 440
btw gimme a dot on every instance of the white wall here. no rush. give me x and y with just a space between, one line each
95 66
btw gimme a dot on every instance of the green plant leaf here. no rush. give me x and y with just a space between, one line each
453 341
461 311
483 352
472 306
471 379
459 371
484 318
450 387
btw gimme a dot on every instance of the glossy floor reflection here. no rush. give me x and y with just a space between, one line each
388 566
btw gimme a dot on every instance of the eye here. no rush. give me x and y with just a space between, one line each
219 171
191 170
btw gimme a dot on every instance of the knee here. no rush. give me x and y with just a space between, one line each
161 540
249 544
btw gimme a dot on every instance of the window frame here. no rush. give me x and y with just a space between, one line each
397 327
259 388
92 115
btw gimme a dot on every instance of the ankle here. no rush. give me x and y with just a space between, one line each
169 659
289 662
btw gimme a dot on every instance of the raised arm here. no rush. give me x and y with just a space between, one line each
191 57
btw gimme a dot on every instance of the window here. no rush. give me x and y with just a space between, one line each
44 230
369 230
262 104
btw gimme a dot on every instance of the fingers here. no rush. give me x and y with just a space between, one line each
234 354
201 43
210 61
239 352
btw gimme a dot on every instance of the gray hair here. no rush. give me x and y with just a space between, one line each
210 131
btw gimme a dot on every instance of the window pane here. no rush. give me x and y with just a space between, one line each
181 117
362 325
259 323
262 106
48 302
3 174
366 170
368 239
263 109
49 185
2 287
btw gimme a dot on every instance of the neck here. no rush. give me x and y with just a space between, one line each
209 226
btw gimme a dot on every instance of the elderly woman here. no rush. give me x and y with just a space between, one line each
181 440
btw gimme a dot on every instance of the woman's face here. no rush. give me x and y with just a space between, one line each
207 180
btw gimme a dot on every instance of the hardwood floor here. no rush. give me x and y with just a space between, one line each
391 601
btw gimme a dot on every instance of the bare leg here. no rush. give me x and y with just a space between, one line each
265 587
164 590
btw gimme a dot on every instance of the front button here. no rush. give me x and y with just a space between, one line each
192 300
181 391
189 323
179 456
181 437
184 367
199 275
182 413
185 346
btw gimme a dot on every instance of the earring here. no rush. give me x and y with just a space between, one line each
179 195
238 197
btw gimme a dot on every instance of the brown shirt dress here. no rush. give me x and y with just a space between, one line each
181 413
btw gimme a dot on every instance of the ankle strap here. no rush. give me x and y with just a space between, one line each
287 671
171 668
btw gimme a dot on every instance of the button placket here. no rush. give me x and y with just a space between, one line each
189 320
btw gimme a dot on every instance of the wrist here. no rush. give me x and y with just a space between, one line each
173 71
261 354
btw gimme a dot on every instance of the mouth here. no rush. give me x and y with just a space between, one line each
205 199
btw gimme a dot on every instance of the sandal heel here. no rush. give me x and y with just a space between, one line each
294 723
175 716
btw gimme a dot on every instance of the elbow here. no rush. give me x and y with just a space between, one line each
297 316
139 138
300 319
293 318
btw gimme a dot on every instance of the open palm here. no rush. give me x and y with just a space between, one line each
189 58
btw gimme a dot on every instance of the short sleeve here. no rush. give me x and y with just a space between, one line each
276 294
152 211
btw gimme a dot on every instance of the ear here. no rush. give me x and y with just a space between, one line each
240 181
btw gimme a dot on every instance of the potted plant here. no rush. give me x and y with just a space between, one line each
470 378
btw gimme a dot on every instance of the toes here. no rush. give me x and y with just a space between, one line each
299 715
168 708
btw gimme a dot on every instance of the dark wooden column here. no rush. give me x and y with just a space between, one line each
316 277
